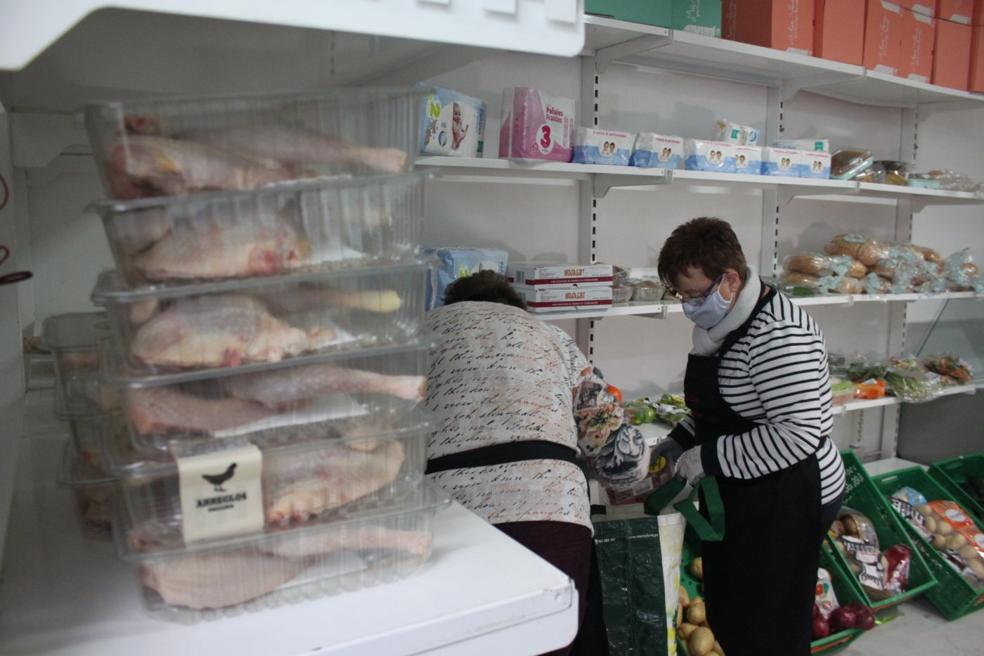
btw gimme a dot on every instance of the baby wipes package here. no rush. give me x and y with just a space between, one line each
594 146
657 151
452 124
748 160
536 125
455 262
743 135
781 162
814 164
816 144
709 156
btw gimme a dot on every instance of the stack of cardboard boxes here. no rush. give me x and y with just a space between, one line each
937 41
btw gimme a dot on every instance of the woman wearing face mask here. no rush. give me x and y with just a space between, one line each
758 387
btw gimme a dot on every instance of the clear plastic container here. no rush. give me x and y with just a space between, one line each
239 322
184 146
93 489
360 471
74 341
647 291
209 582
90 435
299 225
274 402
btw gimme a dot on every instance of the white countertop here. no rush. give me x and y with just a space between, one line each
481 593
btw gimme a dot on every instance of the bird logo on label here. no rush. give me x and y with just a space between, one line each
218 479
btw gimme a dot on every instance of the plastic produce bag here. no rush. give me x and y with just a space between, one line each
953 370
639 561
961 272
910 380
945 179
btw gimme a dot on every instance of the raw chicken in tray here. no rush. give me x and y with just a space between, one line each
205 491
187 146
210 581
305 225
260 320
295 399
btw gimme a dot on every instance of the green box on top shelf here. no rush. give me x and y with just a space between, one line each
862 494
954 596
954 475
650 12
846 594
698 16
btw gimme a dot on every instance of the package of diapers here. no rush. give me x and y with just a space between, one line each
594 146
748 160
781 162
709 156
536 125
452 124
814 164
460 262
657 151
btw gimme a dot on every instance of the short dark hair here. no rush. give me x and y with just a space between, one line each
486 286
707 244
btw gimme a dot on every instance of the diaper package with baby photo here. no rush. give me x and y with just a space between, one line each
781 162
452 124
709 156
594 146
814 164
460 262
748 160
536 125
657 151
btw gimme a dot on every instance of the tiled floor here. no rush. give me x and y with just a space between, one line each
920 631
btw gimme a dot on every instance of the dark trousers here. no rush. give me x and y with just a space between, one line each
569 548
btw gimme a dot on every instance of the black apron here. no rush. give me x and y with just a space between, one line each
760 581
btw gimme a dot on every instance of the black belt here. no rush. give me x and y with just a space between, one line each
499 454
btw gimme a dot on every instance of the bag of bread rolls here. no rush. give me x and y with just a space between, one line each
867 251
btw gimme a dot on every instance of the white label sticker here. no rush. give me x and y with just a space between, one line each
221 493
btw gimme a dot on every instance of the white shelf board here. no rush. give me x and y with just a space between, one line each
646 45
627 310
63 595
610 40
855 406
549 28
606 176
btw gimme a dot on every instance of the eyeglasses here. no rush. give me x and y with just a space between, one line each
699 298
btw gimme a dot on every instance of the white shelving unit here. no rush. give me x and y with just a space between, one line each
604 178
480 595
855 406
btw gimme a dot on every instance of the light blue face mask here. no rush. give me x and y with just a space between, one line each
708 312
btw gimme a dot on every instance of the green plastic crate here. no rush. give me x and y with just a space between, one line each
954 597
845 595
649 12
952 474
862 494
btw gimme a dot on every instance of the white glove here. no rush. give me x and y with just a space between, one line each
688 465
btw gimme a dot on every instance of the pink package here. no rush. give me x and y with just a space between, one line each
535 125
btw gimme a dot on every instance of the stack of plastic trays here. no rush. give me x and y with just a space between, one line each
76 341
265 313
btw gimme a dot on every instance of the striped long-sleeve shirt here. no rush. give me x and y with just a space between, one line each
777 376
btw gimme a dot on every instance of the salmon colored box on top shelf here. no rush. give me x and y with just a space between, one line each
883 37
951 59
786 26
924 7
918 41
839 31
958 11
977 59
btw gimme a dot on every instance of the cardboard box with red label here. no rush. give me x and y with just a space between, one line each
555 298
956 11
781 24
838 31
883 37
977 59
918 39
